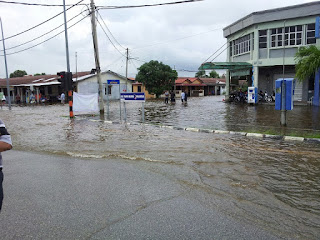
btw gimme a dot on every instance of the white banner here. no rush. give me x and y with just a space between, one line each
85 103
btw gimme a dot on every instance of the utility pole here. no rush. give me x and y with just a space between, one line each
124 103
5 61
96 55
76 68
68 75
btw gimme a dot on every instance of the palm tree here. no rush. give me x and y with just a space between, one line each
308 62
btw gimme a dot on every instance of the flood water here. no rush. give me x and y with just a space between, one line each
270 183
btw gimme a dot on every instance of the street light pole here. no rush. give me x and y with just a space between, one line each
5 61
69 94
283 112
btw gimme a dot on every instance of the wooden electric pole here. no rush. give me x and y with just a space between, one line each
96 55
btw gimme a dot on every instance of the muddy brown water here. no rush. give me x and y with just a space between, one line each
271 183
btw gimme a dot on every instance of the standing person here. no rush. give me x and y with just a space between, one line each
186 97
5 144
18 99
166 95
183 95
32 98
173 97
63 98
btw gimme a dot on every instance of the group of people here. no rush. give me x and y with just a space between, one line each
184 97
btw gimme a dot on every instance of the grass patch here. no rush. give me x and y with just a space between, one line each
285 133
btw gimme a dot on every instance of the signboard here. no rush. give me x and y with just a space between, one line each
132 97
113 82
317 27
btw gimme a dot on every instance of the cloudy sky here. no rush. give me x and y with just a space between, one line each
181 35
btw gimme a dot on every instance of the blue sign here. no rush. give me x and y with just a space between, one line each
317 27
112 82
133 97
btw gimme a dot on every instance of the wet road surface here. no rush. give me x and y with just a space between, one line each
58 197
272 184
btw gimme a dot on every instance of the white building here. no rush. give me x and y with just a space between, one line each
89 84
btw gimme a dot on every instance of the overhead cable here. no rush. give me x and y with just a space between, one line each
37 4
148 5
110 31
42 34
109 38
41 23
177 39
46 39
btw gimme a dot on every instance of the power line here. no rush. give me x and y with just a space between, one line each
109 38
41 23
177 39
37 4
46 39
221 48
113 63
41 35
148 5
110 31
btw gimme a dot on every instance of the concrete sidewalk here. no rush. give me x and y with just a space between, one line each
59 197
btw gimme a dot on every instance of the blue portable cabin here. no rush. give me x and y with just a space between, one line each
289 93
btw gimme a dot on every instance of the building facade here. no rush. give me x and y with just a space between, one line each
269 40
117 84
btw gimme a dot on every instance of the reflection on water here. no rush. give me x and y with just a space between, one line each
273 183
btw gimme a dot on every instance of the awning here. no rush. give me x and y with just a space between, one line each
236 68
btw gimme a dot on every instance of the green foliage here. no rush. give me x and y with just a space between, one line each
214 74
201 73
39 74
156 77
308 62
18 73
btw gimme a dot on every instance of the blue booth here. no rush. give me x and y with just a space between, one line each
284 92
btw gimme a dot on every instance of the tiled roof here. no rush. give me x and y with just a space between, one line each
49 79
213 81
37 80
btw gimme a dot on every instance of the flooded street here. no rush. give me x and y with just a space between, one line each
271 183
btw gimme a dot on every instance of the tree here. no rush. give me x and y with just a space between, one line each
39 74
308 62
18 73
156 77
214 74
201 73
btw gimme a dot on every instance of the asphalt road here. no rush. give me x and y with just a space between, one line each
59 197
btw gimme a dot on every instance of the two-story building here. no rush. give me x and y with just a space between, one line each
267 41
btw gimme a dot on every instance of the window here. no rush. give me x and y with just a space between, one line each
276 37
240 45
263 39
291 36
109 90
139 88
311 34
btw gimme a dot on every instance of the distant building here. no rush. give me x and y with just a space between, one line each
269 40
139 87
49 86
214 86
195 87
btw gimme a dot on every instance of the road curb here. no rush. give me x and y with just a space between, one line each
205 130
